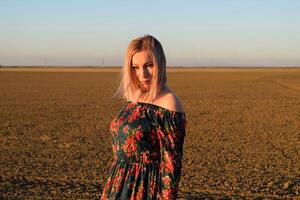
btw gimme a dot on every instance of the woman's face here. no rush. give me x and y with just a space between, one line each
143 68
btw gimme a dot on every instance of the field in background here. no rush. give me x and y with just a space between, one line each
243 132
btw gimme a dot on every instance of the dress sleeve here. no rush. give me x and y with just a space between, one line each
171 133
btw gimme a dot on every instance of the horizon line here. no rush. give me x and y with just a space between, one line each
119 66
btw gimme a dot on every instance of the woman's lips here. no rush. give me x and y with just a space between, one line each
146 82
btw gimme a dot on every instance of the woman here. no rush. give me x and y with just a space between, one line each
148 133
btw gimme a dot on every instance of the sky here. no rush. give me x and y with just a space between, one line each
192 33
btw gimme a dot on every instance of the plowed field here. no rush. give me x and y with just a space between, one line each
242 137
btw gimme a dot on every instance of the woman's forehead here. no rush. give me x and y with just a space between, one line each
142 56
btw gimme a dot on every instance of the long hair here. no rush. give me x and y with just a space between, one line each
129 88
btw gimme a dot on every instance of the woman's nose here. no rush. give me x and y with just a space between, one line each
145 73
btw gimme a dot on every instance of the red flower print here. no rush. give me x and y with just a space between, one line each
168 162
114 128
121 120
108 185
125 129
140 191
135 114
166 194
130 185
157 114
118 180
160 136
145 156
112 125
129 106
138 135
166 180
130 146
172 140
152 188
153 136
114 148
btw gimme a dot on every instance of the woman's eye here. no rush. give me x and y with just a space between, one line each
150 65
134 68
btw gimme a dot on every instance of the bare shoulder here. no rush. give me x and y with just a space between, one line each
170 101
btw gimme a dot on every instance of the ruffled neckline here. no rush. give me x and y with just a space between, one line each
157 106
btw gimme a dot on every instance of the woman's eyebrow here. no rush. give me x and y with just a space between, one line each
148 62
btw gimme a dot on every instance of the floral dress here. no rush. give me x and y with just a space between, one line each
147 143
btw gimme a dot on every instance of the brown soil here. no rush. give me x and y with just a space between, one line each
243 132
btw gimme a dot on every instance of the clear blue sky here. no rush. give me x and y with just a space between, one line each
193 32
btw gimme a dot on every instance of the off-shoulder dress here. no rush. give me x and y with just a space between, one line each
147 144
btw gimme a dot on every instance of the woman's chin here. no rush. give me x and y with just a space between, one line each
145 89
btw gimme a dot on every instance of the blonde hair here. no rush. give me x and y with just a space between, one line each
129 88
